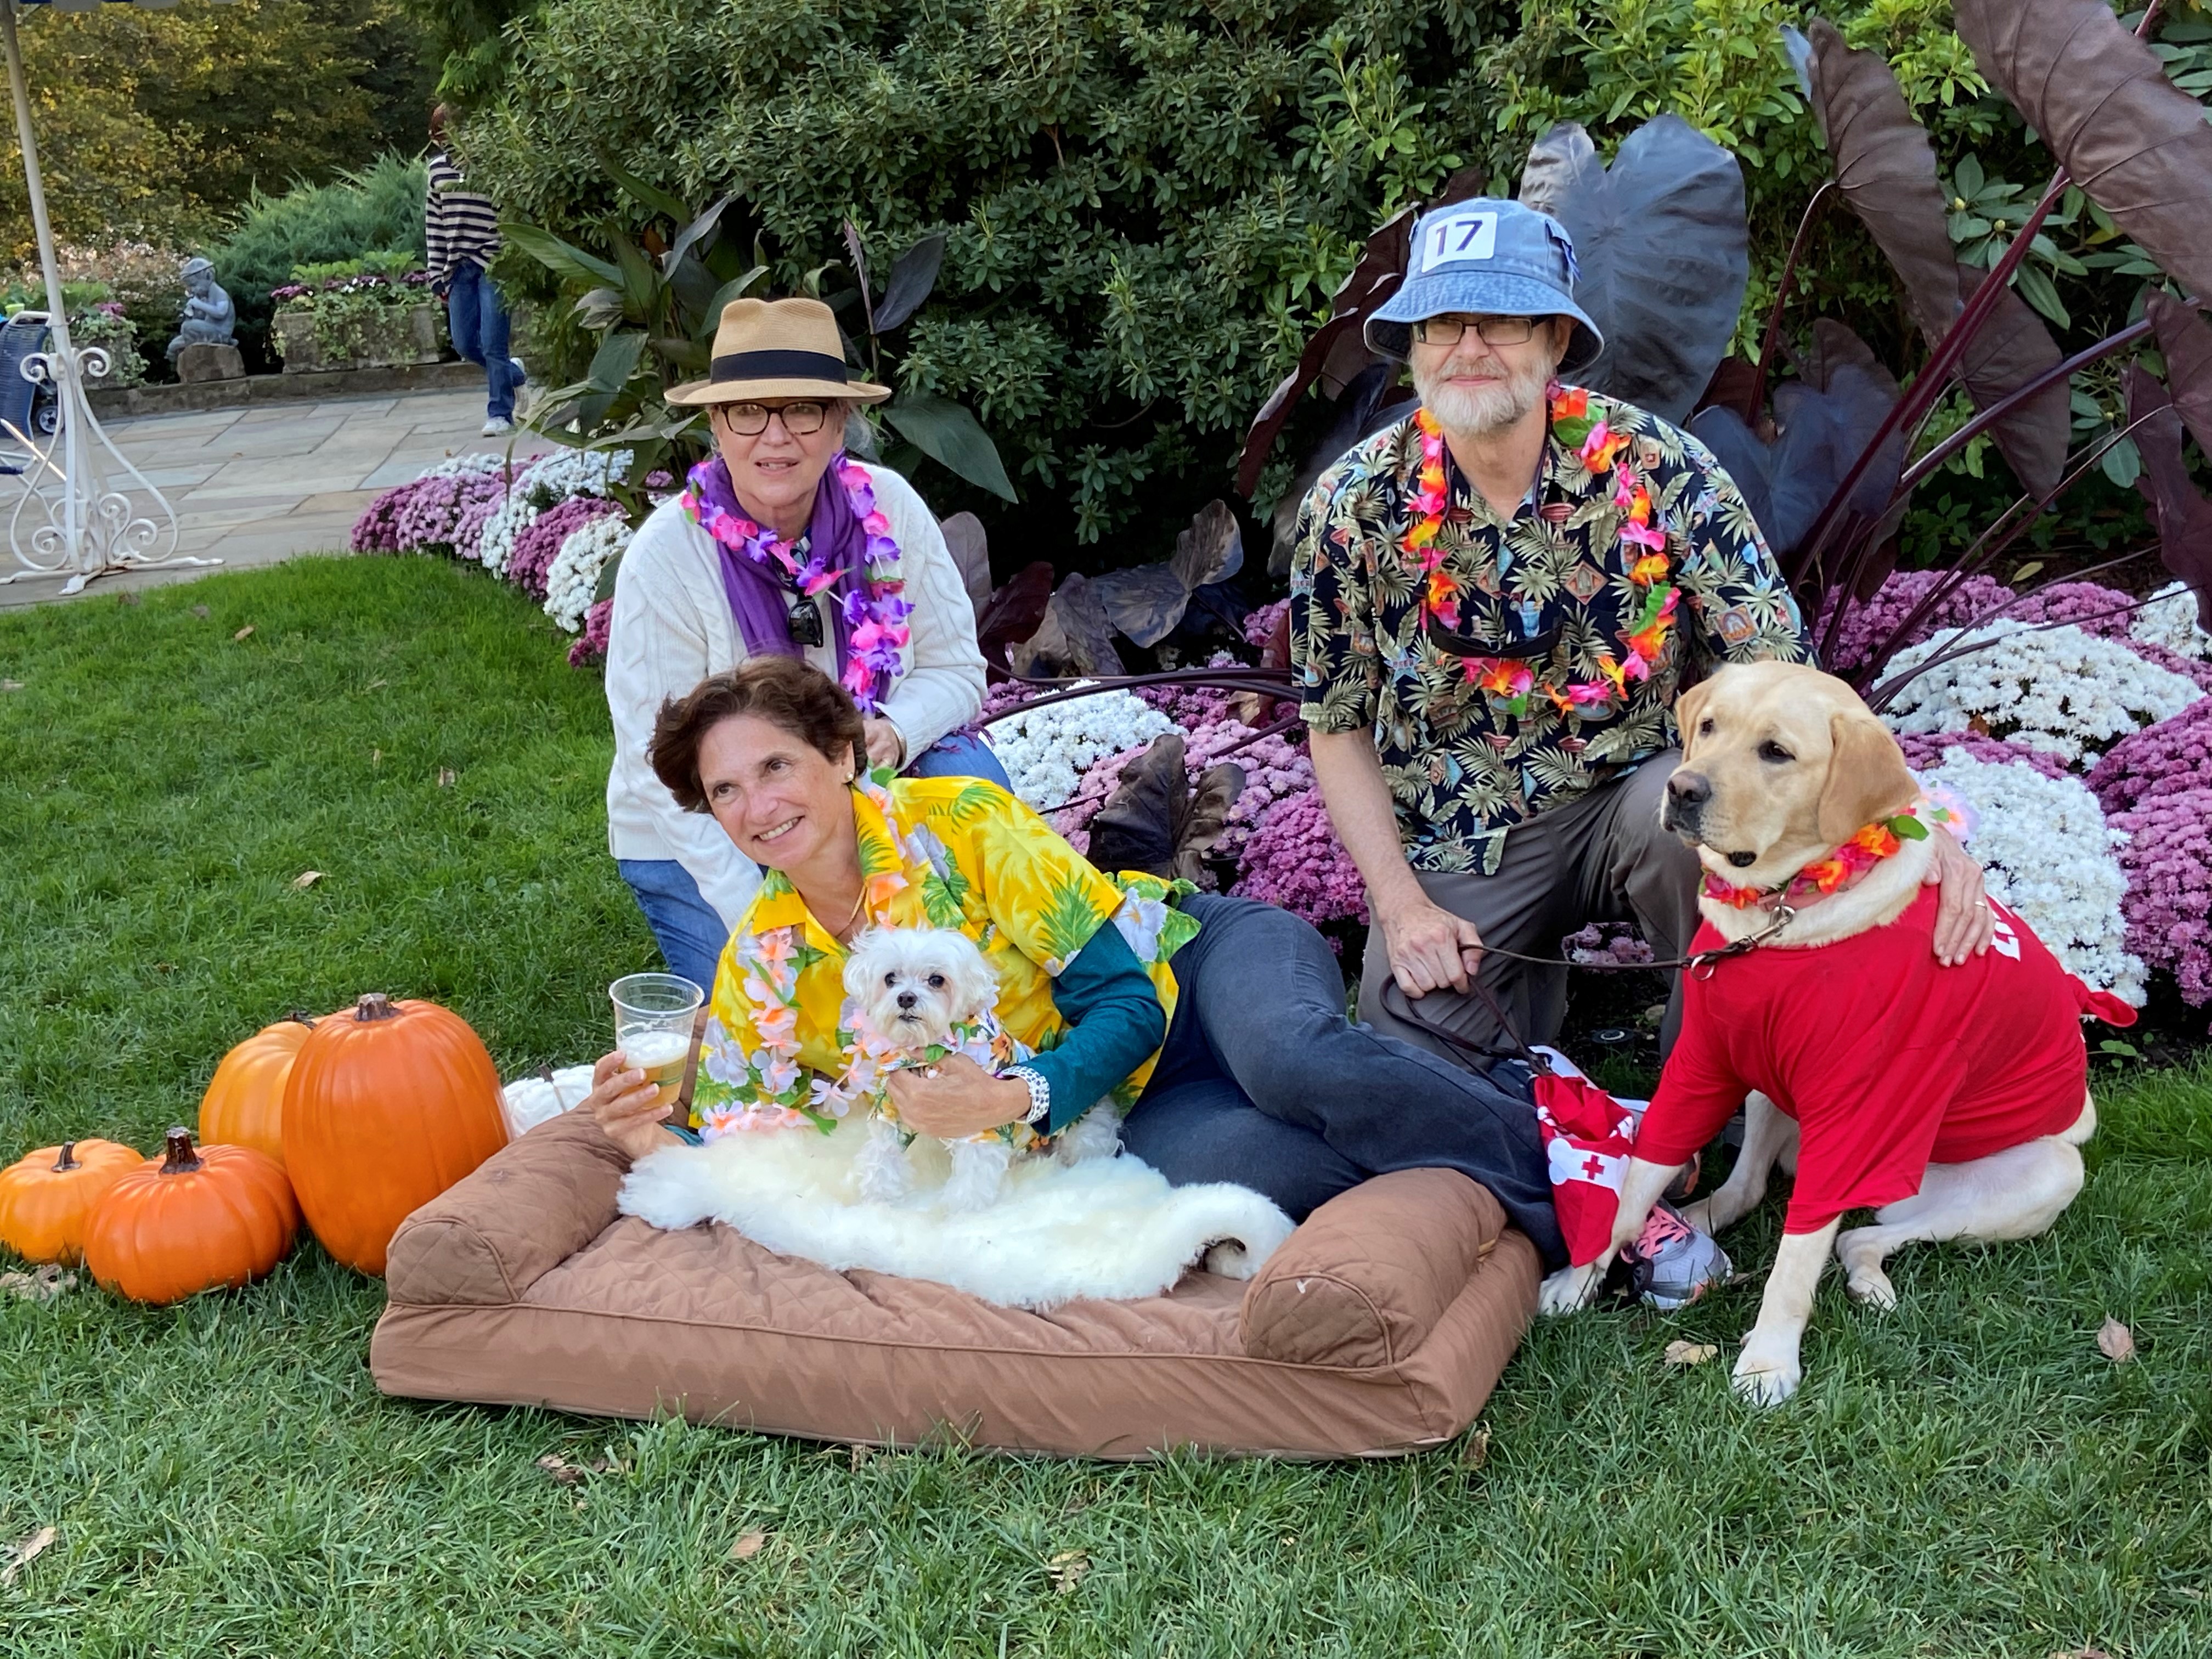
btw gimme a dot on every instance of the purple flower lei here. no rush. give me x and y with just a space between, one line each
874 618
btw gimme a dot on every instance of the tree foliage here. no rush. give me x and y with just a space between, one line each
1147 203
159 125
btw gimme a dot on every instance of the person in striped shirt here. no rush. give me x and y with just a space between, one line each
460 230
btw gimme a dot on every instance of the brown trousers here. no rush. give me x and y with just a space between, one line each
1601 857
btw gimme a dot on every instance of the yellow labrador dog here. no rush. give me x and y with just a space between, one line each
1950 1100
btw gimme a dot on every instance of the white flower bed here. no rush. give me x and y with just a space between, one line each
565 472
1046 751
2057 690
462 466
2046 851
501 532
574 575
2170 620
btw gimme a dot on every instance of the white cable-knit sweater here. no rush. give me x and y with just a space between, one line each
671 628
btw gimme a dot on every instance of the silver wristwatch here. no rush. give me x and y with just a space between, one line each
1040 1111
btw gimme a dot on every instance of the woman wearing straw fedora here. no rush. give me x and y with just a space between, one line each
780 545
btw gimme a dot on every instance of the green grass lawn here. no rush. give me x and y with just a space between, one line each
1968 1476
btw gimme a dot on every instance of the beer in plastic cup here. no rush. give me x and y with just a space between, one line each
653 1017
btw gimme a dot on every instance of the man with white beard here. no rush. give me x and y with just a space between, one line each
1492 605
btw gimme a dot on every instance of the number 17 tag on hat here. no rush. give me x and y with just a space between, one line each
1463 239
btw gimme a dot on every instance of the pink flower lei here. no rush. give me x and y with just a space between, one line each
875 619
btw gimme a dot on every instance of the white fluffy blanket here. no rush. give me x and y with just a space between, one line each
1107 1228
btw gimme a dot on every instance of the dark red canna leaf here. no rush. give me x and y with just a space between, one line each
2180 510
2098 98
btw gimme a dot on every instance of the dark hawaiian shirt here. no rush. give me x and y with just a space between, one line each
1549 588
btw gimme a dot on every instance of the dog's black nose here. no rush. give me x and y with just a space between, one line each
905 1001
1743 860
1689 789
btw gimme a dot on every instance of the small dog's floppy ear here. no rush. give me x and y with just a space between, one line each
1686 708
974 978
860 965
1867 779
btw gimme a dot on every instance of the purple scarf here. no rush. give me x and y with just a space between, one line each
837 542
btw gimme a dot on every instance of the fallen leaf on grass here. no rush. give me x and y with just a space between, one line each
1067 1569
748 1547
11 685
201 611
2082 1653
1476 1452
24 1551
2115 1341
445 777
128 599
39 1284
376 757
562 1473
242 632
307 879
378 685
1690 1353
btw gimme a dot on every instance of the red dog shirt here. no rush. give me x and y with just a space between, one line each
1888 1061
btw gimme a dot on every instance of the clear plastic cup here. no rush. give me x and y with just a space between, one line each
653 1017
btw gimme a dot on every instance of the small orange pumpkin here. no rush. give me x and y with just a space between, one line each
190 1220
47 1197
243 1105
386 1108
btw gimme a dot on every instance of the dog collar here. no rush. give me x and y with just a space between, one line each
1842 868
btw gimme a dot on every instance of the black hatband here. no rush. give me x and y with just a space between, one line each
778 365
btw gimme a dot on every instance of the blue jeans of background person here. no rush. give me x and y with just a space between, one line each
1264 1081
690 931
478 324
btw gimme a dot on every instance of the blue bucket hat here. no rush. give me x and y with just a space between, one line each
1492 257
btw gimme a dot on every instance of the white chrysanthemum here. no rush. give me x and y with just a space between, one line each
561 473
502 530
2170 620
574 576
1047 750
462 466
2045 850
2058 689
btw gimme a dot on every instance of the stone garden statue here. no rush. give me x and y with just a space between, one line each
206 346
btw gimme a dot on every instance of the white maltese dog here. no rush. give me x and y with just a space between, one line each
915 996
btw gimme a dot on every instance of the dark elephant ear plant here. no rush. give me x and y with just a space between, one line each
1829 460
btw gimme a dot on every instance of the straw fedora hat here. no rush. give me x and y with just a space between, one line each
776 349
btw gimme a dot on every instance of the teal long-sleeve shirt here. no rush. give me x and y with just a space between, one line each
1114 1022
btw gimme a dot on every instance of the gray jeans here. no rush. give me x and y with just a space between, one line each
1601 857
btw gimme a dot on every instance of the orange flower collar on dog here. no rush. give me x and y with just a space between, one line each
1869 846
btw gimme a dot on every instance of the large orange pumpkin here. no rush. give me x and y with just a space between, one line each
387 1107
191 1220
47 1197
243 1105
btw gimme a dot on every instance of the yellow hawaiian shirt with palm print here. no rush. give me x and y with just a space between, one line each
934 852
1505 707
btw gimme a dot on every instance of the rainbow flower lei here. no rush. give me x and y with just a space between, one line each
875 616
1867 848
1602 450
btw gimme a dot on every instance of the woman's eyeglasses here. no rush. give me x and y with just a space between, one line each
800 420
1493 330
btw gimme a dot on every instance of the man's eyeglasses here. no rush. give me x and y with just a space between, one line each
1493 330
800 420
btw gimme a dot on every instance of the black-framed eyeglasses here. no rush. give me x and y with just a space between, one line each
801 420
1492 331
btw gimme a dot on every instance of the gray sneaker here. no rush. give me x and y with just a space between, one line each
1672 1264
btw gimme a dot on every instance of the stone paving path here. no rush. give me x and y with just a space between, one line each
256 486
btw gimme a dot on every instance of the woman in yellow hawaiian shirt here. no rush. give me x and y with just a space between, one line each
1216 1023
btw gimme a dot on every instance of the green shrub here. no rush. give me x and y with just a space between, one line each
377 209
1149 202
383 262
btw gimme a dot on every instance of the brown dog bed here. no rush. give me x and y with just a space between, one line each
1379 1328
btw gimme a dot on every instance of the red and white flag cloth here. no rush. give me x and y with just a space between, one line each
1588 1138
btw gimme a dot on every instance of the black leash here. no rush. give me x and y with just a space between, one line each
1783 915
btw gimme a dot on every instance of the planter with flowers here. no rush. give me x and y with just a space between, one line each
360 314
